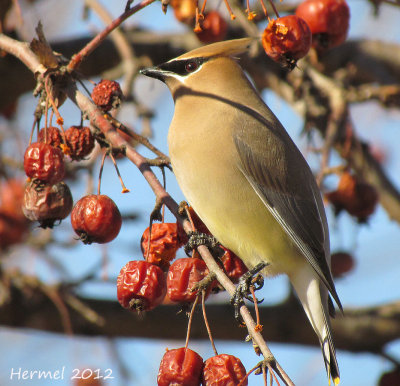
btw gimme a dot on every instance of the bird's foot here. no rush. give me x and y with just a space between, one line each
197 238
248 280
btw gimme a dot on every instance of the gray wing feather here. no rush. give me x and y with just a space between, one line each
283 180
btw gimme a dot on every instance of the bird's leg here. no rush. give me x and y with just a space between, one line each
249 279
203 284
197 238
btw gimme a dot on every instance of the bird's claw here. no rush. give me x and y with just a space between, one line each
248 280
197 238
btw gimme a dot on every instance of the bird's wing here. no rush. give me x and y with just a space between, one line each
283 180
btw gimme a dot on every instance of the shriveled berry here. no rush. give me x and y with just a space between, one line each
233 265
180 366
354 196
328 21
286 40
107 94
223 370
184 10
47 204
213 28
44 163
182 277
80 142
51 135
163 244
141 286
12 197
96 219
341 263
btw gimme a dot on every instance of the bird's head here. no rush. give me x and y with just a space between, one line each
200 67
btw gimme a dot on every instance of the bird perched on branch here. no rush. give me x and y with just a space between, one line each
247 180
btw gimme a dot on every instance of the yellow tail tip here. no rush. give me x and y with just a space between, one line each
336 381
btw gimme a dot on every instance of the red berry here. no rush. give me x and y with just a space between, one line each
356 197
107 94
233 265
163 245
53 136
12 229
328 21
88 377
184 10
213 28
182 276
341 263
180 366
47 204
223 370
286 40
96 219
141 286
80 142
44 162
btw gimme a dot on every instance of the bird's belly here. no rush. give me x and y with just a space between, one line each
234 213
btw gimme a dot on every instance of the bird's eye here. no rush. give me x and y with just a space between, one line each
191 66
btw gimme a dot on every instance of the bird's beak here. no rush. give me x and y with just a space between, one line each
153 72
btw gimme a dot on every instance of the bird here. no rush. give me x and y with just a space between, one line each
246 179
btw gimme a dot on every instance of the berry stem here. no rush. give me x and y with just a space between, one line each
274 8
124 189
190 320
203 307
101 172
264 8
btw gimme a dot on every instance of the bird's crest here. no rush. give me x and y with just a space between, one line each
225 48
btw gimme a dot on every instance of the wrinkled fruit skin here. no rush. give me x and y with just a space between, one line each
80 142
163 245
53 136
96 219
213 28
141 286
328 21
44 162
286 40
47 204
182 276
233 265
180 367
223 370
107 94
341 263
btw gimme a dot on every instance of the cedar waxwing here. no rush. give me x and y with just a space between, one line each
247 180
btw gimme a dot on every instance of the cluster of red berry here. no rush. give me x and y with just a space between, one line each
144 284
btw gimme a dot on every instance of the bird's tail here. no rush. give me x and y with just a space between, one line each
314 297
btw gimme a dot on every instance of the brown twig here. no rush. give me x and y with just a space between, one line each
96 41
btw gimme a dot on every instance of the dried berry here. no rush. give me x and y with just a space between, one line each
225 370
51 135
233 265
328 21
96 219
182 277
44 163
180 366
341 263
213 28
107 95
184 10
47 204
286 40
141 286
358 198
80 142
163 244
